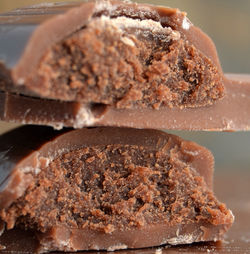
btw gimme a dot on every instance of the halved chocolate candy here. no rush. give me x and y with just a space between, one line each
124 55
108 188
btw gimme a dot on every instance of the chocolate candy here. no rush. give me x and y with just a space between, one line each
119 54
108 188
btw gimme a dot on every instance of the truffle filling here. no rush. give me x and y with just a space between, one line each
128 63
116 187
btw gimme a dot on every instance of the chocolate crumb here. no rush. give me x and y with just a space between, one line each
128 63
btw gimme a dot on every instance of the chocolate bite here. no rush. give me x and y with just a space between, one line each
109 188
121 54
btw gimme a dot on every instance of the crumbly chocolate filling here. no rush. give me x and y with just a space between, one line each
128 63
116 187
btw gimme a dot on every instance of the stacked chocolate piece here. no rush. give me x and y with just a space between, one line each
102 67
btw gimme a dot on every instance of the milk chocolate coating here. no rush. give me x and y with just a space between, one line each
230 114
123 55
108 188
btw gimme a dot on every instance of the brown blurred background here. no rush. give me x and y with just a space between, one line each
227 22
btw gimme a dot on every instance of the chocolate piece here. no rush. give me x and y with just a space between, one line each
108 188
230 114
108 52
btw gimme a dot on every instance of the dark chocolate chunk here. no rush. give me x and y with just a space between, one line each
121 54
230 114
108 188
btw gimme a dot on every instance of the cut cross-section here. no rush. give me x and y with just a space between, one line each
112 188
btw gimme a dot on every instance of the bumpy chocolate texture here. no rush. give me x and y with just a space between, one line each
108 188
119 58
